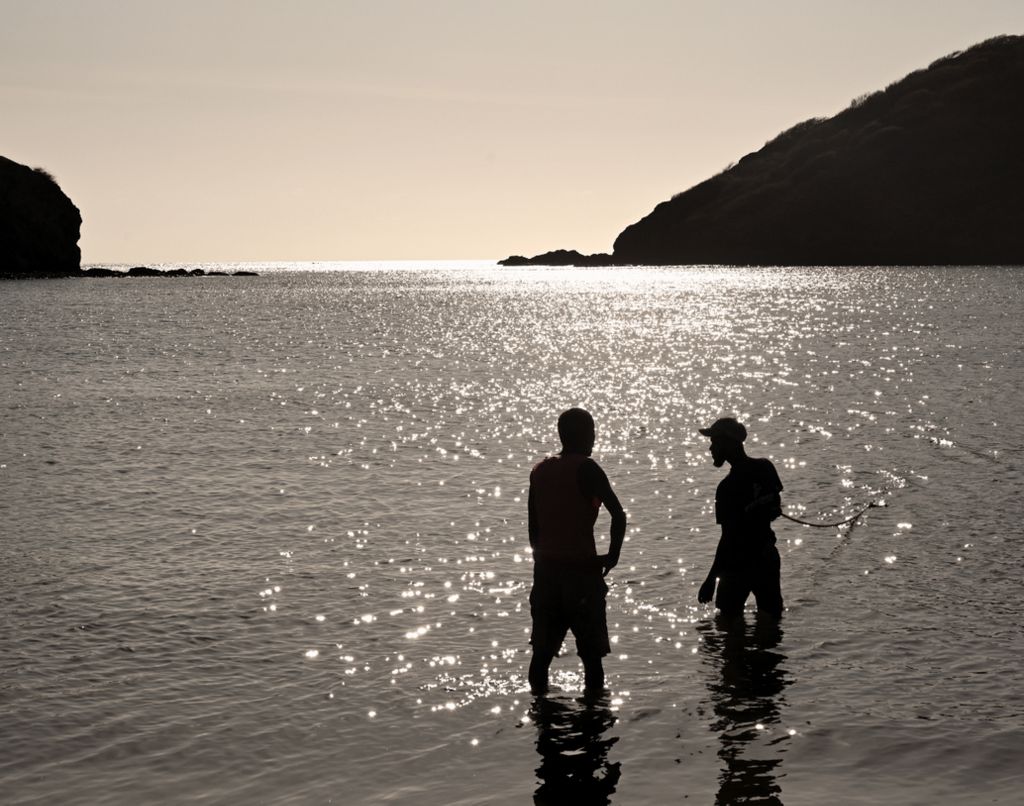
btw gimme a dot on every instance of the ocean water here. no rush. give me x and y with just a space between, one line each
263 539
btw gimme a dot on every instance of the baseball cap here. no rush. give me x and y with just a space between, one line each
725 427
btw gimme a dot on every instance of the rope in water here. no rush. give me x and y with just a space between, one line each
832 525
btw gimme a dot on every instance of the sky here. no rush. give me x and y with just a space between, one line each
259 130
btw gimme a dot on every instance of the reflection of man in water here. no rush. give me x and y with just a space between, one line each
566 492
746 502
747 696
573 741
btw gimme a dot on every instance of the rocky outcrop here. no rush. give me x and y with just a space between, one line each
39 229
559 257
39 224
148 271
929 170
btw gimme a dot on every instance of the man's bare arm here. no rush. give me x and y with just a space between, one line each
707 589
617 534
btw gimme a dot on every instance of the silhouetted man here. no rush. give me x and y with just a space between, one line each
746 502
566 492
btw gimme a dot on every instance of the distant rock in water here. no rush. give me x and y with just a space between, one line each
929 171
148 271
559 257
39 224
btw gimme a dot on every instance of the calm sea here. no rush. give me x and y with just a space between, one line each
263 539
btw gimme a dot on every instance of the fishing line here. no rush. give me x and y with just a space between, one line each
851 519
844 538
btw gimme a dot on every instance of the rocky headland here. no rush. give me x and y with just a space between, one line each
928 171
40 227
39 224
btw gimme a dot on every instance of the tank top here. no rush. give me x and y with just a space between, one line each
565 516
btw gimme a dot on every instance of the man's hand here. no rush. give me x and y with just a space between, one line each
707 591
608 562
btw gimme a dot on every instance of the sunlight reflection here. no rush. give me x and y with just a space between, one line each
413 407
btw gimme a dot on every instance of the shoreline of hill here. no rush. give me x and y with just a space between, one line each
928 171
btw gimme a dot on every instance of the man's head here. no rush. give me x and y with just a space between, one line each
576 430
727 435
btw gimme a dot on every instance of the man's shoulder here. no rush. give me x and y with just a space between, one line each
594 481
591 469
541 464
547 463
764 468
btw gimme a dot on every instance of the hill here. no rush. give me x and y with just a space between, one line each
39 224
928 171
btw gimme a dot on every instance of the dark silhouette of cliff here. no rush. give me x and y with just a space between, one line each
39 224
39 229
928 171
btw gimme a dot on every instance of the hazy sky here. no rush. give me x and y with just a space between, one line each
317 130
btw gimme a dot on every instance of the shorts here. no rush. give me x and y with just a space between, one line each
761 578
564 599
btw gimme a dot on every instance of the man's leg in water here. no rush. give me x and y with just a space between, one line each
539 665
732 593
593 674
767 585
590 626
549 627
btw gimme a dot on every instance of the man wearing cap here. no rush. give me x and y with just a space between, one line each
566 492
746 502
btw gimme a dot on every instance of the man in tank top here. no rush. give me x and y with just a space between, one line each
566 492
746 502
